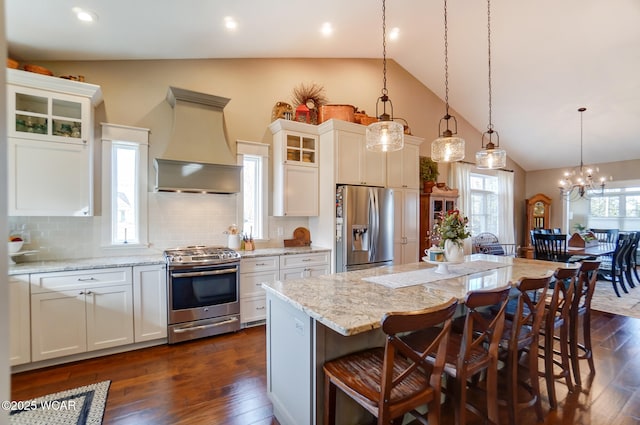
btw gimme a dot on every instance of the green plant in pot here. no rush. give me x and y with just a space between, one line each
428 173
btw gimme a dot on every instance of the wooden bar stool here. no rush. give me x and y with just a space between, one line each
471 352
581 312
521 334
556 317
392 381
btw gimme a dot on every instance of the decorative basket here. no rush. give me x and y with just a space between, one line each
38 69
338 112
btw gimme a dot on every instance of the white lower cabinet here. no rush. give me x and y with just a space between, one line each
149 302
19 320
253 272
297 266
78 311
256 271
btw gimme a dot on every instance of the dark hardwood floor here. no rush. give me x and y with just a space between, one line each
222 380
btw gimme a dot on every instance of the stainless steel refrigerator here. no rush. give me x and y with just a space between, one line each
364 227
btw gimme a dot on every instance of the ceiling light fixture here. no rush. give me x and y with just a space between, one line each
327 29
385 135
491 156
85 15
230 23
447 147
579 182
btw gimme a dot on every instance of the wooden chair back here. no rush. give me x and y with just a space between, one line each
395 323
605 235
550 247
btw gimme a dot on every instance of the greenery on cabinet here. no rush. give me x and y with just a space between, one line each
428 169
428 173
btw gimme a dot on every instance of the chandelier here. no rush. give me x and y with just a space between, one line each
491 156
447 147
581 182
385 135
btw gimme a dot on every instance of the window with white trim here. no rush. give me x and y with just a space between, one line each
615 208
124 186
254 158
484 204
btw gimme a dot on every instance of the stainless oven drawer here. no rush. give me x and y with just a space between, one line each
203 328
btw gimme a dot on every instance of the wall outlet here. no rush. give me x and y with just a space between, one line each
280 231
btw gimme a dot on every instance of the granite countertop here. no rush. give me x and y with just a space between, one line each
349 304
134 260
84 264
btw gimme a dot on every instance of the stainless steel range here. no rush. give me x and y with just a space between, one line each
203 292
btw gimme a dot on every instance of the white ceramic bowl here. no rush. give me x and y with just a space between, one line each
15 246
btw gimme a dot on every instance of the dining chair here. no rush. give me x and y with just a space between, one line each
551 247
557 314
393 380
613 268
580 319
605 235
472 349
630 266
521 334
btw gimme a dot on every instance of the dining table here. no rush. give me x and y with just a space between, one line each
602 248
315 319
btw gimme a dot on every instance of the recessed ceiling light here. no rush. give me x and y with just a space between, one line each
327 29
85 15
230 23
394 33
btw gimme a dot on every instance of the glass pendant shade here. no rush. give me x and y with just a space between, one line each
490 159
447 149
385 136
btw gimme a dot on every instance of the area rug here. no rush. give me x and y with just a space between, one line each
78 406
605 299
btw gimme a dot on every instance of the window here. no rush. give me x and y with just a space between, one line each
486 198
125 202
254 159
124 187
252 195
616 208
484 204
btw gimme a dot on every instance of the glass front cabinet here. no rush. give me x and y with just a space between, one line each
50 145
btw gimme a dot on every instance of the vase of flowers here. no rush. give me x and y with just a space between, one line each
452 230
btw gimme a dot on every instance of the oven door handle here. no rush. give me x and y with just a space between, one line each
205 273
201 327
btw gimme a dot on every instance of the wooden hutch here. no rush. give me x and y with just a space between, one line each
431 204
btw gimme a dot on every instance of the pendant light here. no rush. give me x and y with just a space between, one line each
491 156
385 135
447 147
582 182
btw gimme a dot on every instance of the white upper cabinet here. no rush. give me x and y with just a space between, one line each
295 168
403 166
355 164
50 156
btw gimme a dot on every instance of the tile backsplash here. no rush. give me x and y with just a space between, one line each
174 219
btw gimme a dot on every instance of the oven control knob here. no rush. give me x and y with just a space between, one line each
179 259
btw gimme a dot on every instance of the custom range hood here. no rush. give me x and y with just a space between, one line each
198 157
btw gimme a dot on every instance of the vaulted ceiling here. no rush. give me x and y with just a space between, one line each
549 57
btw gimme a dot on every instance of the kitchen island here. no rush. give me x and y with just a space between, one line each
312 320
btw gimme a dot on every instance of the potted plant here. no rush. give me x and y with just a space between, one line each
428 173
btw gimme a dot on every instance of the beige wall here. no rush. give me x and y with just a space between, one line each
135 91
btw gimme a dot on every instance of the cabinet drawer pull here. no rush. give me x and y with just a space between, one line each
261 264
306 259
260 308
86 279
